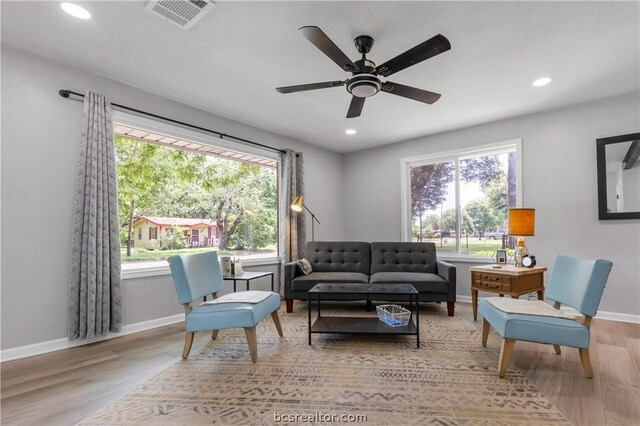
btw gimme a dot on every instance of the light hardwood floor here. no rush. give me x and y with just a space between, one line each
65 387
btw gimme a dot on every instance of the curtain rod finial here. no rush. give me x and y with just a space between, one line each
64 93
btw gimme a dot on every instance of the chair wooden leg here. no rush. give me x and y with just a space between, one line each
214 334
586 362
505 355
253 342
276 321
485 332
557 349
451 308
188 341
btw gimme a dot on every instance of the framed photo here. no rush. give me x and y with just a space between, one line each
501 257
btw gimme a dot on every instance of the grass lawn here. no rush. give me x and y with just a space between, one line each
144 254
473 245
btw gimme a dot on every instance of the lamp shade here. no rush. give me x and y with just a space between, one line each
522 222
297 204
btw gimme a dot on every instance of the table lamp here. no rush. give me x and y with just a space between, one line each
297 206
521 224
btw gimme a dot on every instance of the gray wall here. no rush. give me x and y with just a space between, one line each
40 145
559 181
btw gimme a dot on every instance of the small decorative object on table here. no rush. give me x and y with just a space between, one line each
501 257
393 315
237 268
226 265
529 261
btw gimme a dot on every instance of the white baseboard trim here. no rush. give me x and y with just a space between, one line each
65 343
603 315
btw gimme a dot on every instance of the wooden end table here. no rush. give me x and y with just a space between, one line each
512 280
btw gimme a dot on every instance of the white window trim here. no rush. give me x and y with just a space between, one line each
405 186
178 132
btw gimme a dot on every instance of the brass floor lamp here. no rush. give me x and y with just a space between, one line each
297 206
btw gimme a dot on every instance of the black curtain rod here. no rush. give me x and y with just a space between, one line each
65 93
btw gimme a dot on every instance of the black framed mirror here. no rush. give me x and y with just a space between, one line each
618 166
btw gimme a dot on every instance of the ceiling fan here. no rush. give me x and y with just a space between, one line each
365 80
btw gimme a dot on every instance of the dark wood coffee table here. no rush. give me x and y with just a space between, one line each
362 325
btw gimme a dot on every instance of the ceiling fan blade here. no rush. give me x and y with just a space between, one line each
355 108
310 86
425 50
320 40
410 92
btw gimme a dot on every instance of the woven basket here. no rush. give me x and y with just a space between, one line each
393 315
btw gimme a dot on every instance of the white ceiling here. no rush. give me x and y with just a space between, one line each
231 61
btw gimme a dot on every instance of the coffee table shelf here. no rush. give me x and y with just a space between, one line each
359 325
362 325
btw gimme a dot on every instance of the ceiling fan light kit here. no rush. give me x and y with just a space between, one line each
365 81
363 85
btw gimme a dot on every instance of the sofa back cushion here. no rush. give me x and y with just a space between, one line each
339 256
403 257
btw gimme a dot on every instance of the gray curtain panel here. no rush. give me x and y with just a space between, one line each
293 234
95 297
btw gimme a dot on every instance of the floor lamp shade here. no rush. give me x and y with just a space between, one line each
521 223
297 204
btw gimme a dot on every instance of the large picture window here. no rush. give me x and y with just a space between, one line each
460 200
180 196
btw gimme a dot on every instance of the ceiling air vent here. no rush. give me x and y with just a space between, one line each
183 13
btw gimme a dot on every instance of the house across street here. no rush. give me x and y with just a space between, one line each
199 232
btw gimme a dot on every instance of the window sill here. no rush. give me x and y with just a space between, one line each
466 259
158 269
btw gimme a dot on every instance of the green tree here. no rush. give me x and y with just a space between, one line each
449 220
482 170
429 188
498 197
173 240
481 215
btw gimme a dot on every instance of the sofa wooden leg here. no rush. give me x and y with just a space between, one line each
450 308
289 303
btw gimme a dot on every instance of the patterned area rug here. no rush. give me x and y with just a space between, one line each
450 380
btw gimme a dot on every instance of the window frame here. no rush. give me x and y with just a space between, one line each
454 156
174 130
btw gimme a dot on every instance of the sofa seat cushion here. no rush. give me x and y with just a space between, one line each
424 282
306 282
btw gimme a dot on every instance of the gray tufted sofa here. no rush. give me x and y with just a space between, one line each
375 263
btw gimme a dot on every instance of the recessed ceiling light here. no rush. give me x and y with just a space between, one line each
542 81
350 131
75 10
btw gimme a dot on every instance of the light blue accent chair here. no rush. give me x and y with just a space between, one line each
578 283
199 275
